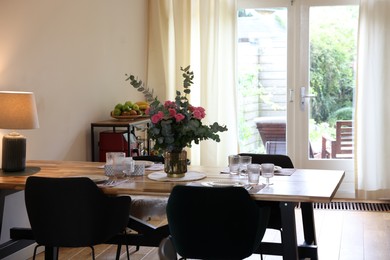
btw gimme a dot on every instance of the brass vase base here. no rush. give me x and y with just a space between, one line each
175 165
175 175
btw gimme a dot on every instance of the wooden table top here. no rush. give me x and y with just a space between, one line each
304 185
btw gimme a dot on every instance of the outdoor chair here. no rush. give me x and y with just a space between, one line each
342 146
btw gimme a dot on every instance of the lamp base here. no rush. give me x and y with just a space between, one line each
14 153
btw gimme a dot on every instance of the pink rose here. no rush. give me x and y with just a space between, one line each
179 117
172 112
169 104
157 117
198 112
147 111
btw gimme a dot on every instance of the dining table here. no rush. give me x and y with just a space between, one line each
290 188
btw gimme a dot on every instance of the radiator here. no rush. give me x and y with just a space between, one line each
355 206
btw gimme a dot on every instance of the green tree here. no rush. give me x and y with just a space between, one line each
332 71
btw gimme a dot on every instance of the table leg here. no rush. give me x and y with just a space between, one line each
309 227
289 234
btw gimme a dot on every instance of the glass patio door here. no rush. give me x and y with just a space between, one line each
302 76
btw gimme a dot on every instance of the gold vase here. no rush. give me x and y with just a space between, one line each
175 164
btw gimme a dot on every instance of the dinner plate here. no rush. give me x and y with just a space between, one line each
146 163
277 168
223 184
94 178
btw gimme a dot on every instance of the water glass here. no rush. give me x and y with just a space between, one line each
112 156
118 167
244 161
253 171
128 166
234 164
267 171
113 163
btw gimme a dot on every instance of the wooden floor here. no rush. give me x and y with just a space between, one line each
341 234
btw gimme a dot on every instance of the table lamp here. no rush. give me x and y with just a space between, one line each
17 111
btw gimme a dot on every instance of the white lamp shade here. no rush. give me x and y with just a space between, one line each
18 110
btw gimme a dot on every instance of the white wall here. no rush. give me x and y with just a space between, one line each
73 54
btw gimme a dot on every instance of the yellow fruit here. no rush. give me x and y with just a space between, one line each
142 103
143 107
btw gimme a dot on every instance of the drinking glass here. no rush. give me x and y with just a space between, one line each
115 165
244 161
253 171
267 171
118 167
234 164
128 169
112 156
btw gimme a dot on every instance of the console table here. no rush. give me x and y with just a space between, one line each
114 124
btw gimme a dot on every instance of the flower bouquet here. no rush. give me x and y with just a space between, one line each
176 124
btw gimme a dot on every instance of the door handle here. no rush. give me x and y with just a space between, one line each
304 96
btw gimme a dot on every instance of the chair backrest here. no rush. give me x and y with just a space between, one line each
343 147
278 159
215 223
73 212
152 158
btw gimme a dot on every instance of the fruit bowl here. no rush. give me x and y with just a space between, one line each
127 117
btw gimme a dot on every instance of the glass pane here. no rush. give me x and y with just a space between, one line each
262 79
333 35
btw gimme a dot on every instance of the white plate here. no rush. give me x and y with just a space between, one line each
94 178
277 168
223 184
146 163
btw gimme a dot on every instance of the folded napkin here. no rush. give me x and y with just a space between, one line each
112 183
285 172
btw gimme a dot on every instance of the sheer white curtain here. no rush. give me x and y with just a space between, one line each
200 33
373 106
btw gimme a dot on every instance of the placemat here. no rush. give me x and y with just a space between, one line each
189 176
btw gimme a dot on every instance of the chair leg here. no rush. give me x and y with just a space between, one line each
35 251
93 252
118 251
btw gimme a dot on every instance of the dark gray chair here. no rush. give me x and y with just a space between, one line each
73 212
214 223
280 160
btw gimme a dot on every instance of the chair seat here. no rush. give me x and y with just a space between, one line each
148 207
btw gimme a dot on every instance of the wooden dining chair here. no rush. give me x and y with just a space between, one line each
214 223
73 212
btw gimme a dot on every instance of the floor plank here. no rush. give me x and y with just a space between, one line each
341 235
